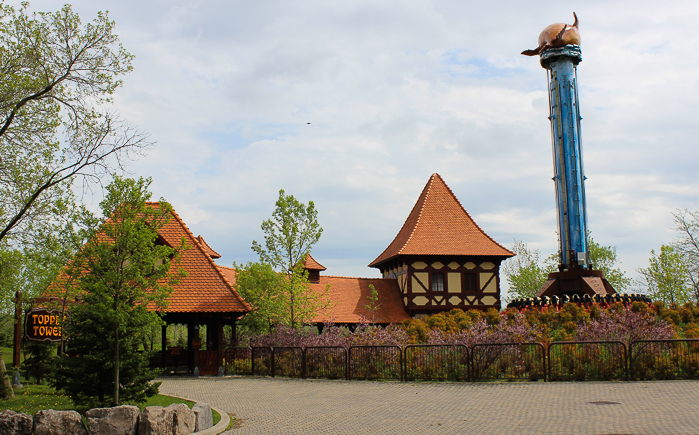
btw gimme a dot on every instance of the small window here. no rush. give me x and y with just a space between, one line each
470 282
437 282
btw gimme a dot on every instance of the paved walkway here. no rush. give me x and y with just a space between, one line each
294 406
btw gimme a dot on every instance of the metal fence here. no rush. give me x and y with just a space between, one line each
436 362
508 361
664 359
372 363
587 360
559 361
326 362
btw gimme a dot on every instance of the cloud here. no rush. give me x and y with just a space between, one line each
395 91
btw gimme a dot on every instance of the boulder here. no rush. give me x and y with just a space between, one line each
176 419
119 420
12 423
203 415
50 422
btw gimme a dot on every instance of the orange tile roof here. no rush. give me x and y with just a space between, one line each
205 288
213 254
312 264
349 296
439 225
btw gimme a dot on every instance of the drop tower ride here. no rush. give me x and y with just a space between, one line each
560 54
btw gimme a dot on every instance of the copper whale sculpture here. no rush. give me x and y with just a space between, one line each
556 35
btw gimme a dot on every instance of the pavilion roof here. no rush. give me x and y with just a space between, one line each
205 288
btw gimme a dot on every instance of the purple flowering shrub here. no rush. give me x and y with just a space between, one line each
625 326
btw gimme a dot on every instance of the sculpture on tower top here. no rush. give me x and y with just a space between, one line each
556 35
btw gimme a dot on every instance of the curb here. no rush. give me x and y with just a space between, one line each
215 430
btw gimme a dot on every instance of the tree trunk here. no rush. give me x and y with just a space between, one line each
115 400
9 392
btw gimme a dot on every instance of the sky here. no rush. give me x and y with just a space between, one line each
354 104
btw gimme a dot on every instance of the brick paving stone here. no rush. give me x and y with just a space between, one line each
296 406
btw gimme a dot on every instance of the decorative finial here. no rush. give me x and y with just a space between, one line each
556 35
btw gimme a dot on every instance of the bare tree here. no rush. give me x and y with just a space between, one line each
687 244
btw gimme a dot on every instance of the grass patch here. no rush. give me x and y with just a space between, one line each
35 397
7 356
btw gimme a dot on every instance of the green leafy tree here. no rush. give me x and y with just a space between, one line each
604 258
667 276
524 272
123 275
57 78
289 236
263 288
373 302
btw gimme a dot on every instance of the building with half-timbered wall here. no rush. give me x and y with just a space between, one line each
440 260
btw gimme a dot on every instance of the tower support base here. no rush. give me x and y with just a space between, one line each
580 282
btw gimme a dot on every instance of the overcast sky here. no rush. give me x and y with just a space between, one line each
395 91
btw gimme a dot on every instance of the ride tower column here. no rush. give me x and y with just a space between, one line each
576 275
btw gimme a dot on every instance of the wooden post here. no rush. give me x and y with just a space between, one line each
18 330
163 345
219 339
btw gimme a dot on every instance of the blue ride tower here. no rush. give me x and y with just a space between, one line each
576 275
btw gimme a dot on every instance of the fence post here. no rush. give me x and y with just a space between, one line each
347 361
303 363
548 361
402 364
627 361
469 363
631 359
273 365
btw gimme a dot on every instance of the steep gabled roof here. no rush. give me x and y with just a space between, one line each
312 264
439 225
205 288
213 254
349 298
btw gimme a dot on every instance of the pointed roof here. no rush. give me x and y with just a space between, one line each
312 264
206 287
439 225
213 254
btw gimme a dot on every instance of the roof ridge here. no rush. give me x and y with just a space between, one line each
427 189
354 277
469 215
209 259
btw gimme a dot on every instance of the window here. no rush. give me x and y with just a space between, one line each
470 282
437 282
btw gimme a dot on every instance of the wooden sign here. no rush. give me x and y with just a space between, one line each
43 325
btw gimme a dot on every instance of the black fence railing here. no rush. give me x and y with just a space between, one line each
559 361
664 359
372 363
426 362
326 362
587 360
508 361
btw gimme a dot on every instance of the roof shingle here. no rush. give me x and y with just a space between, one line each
350 298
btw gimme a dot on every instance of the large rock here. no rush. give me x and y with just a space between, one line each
176 419
50 422
204 416
119 420
12 423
